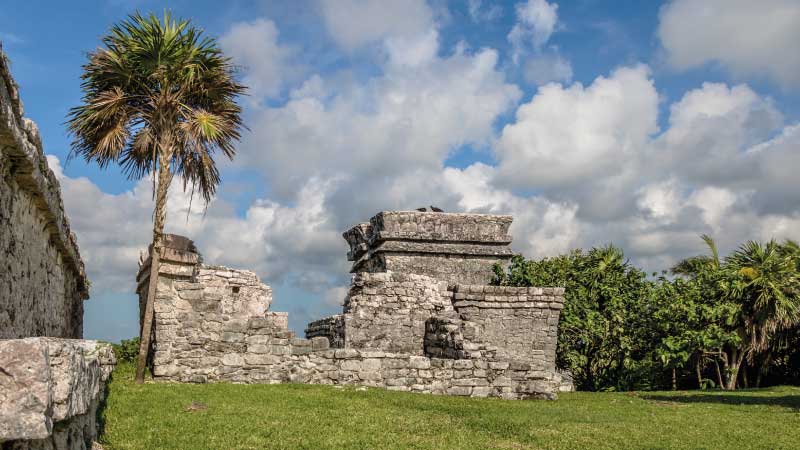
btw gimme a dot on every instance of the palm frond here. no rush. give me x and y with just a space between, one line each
158 85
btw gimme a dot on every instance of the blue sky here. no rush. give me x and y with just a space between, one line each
639 123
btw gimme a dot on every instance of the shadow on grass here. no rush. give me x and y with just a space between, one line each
731 398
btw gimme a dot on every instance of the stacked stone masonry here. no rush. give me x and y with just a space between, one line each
417 331
50 387
42 279
50 392
457 248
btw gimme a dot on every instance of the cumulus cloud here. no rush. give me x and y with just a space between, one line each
536 21
406 29
569 133
407 118
297 244
744 36
254 46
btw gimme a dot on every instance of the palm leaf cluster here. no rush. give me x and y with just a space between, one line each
158 93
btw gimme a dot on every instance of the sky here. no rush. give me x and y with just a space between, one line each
639 123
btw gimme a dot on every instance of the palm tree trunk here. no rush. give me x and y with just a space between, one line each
763 368
155 260
698 372
720 383
743 370
735 364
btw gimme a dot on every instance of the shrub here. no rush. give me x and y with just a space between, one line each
127 350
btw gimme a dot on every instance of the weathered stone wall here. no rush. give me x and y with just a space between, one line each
202 313
457 248
42 279
512 323
50 388
330 328
387 311
202 336
413 319
50 391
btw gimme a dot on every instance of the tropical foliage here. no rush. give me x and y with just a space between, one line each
709 322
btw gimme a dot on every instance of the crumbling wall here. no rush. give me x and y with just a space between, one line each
423 328
514 323
204 315
201 335
329 328
387 311
42 279
50 391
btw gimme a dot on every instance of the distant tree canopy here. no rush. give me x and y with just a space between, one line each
713 323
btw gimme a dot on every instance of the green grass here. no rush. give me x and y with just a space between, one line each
154 416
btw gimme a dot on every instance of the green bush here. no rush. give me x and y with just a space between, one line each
127 350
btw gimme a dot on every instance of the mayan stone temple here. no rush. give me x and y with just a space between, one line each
420 316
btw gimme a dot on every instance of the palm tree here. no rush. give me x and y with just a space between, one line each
769 285
694 265
158 97
709 274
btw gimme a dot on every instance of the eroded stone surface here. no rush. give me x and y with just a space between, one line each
452 247
42 279
50 389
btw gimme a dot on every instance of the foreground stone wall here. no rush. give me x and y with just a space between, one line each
51 389
50 392
42 279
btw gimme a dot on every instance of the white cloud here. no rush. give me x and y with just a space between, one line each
480 14
407 118
406 29
714 203
544 68
536 21
566 134
254 45
541 227
709 130
747 37
660 201
297 243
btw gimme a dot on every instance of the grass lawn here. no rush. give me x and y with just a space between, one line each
154 416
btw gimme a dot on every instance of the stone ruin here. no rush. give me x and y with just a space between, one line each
420 316
51 381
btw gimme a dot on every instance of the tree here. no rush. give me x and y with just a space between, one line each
766 282
692 324
158 98
603 338
750 298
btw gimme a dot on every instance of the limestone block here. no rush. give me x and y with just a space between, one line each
49 381
419 362
232 359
